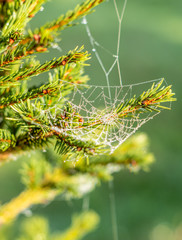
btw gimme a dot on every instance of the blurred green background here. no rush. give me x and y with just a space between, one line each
151 47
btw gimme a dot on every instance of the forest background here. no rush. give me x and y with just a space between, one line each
151 47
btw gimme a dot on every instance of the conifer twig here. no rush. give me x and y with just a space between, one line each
44 34
148 101
81 225
26 199
63 21
72 57
57 182
70 73
44 182
39 40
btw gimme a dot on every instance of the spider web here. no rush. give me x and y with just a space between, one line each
94 115
90 113
94 108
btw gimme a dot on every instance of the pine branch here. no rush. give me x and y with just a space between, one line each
52 184
26 199
31 94
44 181
18 13
33 228
15 24
35 7
64 20
9 7
14 54
39 40
81 225
70 73
7 140
44 35
66 143
37 130
18 19
72 57
148 101
39 133
6 9
133 154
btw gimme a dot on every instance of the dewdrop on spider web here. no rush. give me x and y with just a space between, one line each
41 8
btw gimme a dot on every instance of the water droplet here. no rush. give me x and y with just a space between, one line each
27 213
84 21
